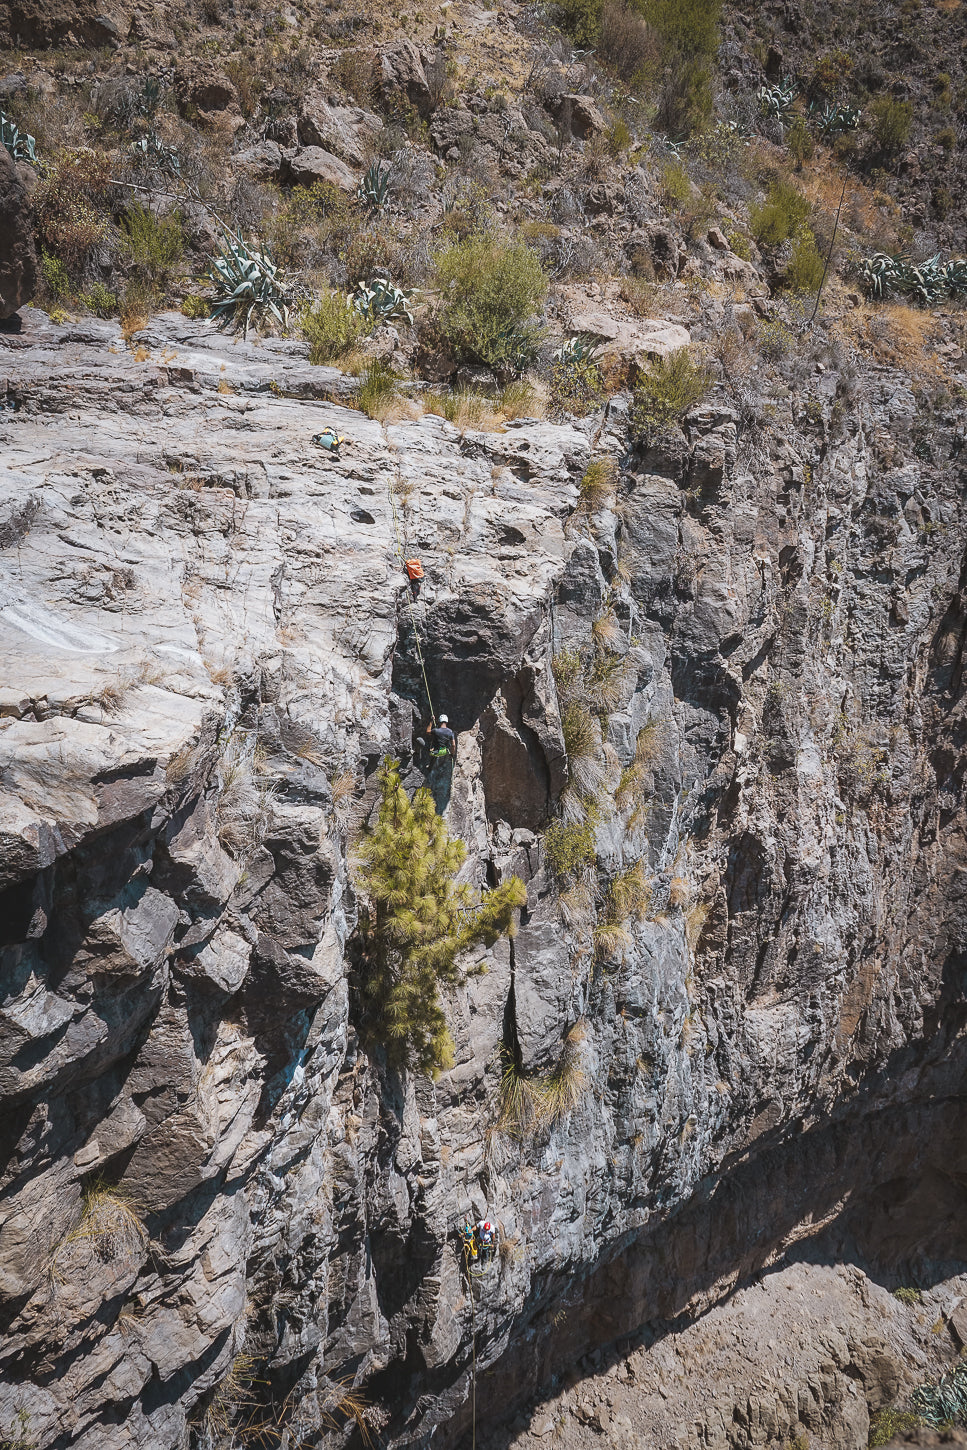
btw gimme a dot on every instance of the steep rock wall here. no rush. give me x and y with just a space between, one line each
208 648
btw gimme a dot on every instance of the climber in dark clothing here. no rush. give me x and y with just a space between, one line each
442 739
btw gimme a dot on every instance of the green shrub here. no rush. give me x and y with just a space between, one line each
377 390
780 216
832 73
800 142
100 300
688 34
154 244
804 270
666 391
580 19
887 1423
892 120
686 102
738 242
56 279
332 328
686 27
908 1296
415 923
576 387
618 137
674 187
195 307
490 292
569 847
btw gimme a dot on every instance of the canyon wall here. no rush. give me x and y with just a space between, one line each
217 1204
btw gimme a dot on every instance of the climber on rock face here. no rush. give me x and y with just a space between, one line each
442 739
485 1237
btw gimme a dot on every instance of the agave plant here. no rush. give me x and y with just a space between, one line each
381 301
944 1402
777 100
248 286
151 150
832 120
579 348
956 276
927 282
21 146
375 187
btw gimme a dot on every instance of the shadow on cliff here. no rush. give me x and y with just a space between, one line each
882 1182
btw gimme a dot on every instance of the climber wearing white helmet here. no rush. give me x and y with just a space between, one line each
442 739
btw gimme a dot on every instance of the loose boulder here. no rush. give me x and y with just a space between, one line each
346 131
577 114
18 259
310 164
630 342
402 73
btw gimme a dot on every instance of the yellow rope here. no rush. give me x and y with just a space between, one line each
473 1348
401 553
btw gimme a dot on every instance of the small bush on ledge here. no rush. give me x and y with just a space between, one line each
666 391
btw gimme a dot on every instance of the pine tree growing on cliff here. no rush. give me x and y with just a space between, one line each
415 924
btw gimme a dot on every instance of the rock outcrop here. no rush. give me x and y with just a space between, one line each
209 646
18 258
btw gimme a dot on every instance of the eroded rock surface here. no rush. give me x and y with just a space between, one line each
208 646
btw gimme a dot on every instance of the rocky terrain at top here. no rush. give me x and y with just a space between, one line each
704 659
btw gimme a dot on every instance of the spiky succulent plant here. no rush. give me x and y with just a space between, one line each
832 120
375 187
381 301
152 152
927 282
21 146
248 284
579 348
946 1401
778 100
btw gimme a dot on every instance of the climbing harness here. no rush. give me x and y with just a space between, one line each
404 564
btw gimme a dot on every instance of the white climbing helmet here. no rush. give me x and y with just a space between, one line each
444 719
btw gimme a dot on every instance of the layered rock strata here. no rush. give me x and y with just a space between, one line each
209 646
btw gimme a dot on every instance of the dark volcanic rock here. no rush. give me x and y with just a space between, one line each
18 260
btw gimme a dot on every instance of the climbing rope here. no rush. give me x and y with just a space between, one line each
473 1348
401 554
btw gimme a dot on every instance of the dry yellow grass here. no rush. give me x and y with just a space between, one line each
895 333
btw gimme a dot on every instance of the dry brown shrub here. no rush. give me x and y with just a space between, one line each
626 43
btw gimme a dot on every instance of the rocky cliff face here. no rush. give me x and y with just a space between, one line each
219 1209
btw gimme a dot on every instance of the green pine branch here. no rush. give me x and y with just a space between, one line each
416 923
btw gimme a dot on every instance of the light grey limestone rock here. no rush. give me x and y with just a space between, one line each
209 645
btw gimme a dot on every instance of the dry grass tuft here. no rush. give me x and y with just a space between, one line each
518 1104
110 1223
695 919
679 892
180 764
522 399
563 1090
466 409
597 489
606 631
